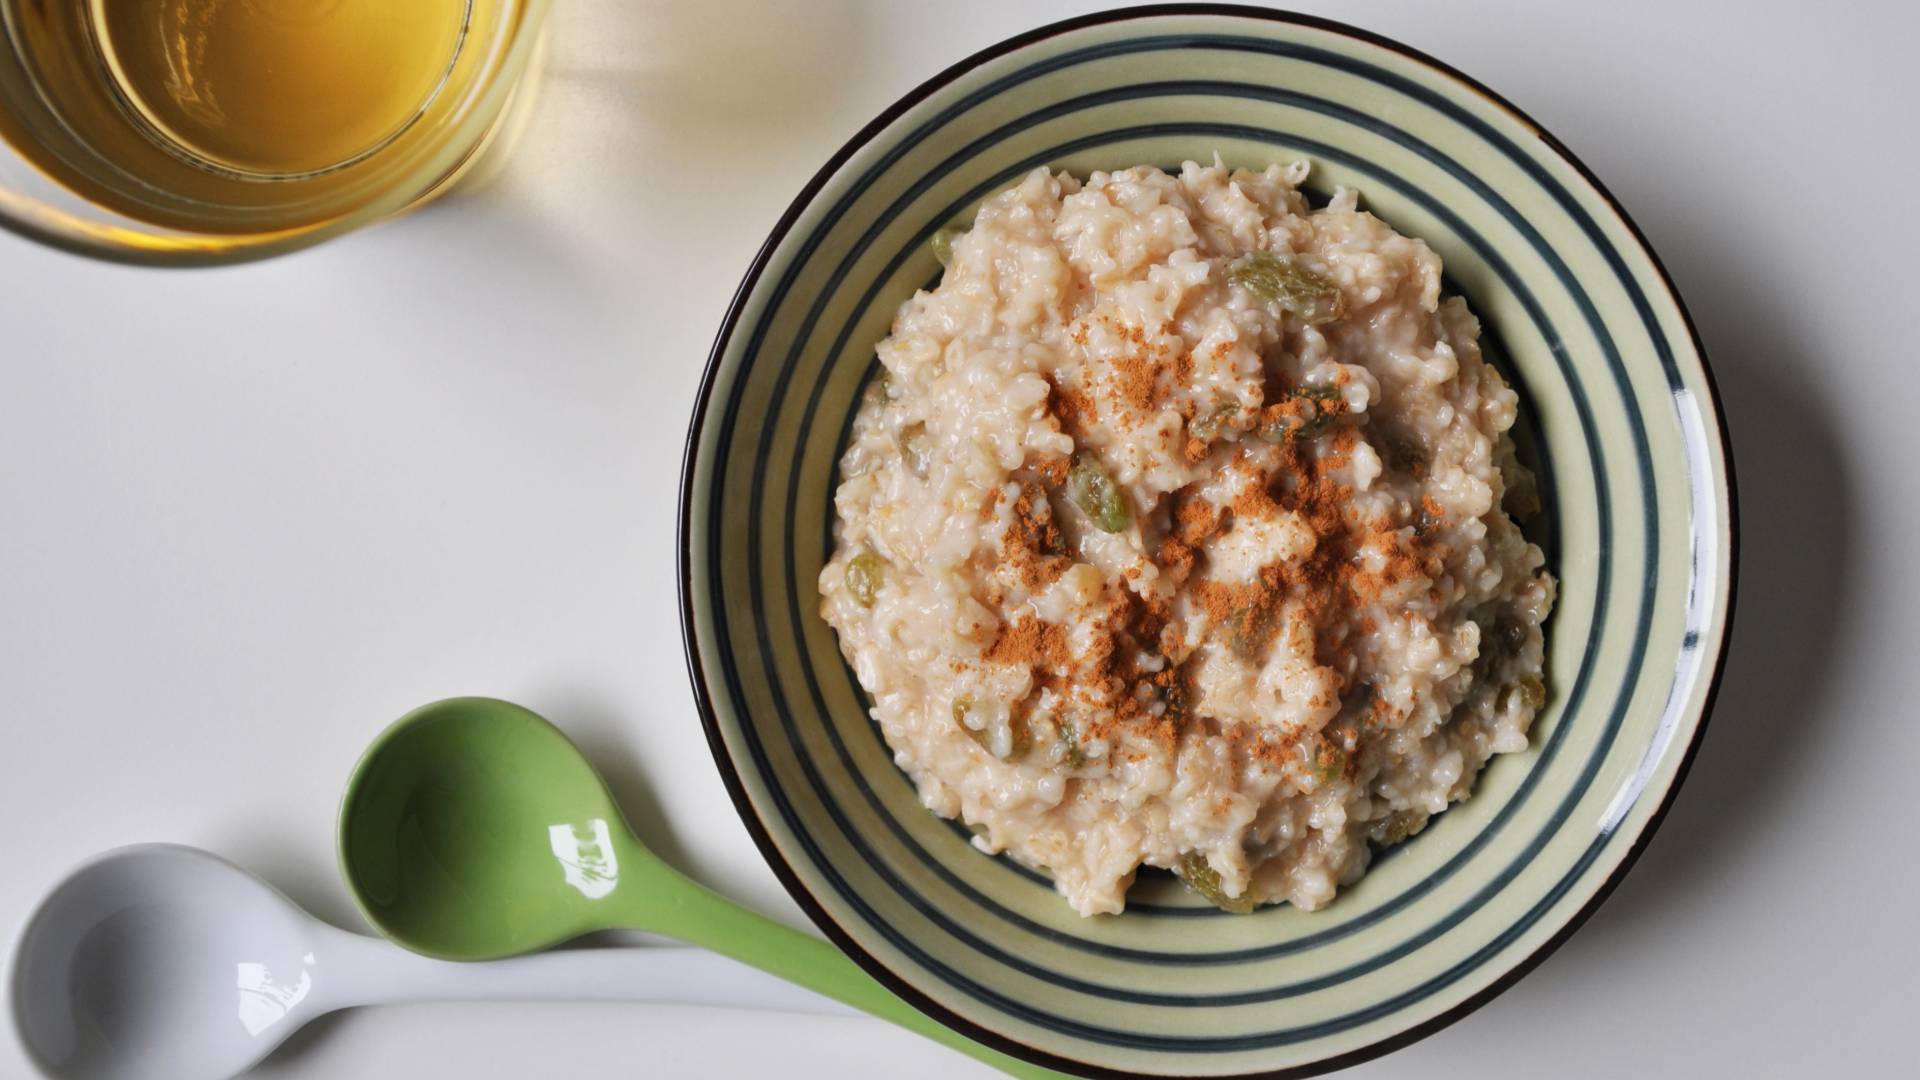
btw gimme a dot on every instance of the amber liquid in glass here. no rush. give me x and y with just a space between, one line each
241 116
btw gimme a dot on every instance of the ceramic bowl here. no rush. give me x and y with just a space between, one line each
1626 435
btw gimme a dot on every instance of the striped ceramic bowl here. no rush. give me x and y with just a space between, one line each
1628 440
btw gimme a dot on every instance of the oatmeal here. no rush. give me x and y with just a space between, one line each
1181 532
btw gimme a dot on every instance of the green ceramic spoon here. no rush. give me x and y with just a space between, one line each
473 829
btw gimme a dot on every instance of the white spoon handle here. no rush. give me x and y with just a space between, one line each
373 972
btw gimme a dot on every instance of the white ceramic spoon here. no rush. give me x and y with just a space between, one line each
162 962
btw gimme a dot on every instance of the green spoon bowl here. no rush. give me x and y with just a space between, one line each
445 832
473 829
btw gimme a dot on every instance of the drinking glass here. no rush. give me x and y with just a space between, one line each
183 132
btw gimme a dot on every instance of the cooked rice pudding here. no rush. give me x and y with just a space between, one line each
1181 531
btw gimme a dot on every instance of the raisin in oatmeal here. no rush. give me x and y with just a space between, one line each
1181 532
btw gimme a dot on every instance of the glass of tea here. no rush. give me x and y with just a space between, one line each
206 131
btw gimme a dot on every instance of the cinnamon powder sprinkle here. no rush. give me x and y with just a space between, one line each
1175 557
1351 563
1332 579
1123 680
1195 519
1031 642
1136 381
1033 546
1128 675
1069 405
1144 370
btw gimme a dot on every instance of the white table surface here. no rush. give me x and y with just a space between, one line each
249 516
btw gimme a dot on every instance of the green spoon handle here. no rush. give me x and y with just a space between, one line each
672 904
